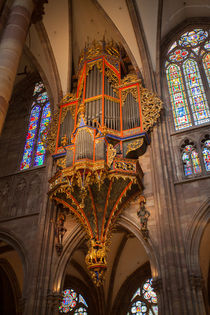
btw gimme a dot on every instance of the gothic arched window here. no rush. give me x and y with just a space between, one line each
144 301
206 152
188 76
73 303
34 151
190 159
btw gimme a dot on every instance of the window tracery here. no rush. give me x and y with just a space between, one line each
187 69
190 159
144 300
34 151
73 303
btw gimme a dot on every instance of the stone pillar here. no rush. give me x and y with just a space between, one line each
11 46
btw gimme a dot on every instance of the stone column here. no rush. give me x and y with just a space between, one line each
11 46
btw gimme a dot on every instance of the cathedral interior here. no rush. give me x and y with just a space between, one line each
104 157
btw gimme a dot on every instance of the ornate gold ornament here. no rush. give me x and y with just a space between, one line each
52 133
95 49
61 163
151 106
68 98
124 93
96 261
90 65
129 79
136 144
95 191
111 153
64 140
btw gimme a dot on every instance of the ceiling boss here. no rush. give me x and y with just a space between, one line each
96 138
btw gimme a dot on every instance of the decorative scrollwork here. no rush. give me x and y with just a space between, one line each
151 106
130 78
134 145
124 92
111 153
98 63
69 97
96 48
52 133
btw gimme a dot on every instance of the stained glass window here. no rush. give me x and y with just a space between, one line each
34 151
186 80
73 303
144 300
206 64
197 96
193 38
191 161
178 97
206 155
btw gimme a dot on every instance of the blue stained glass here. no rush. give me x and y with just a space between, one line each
207 45
144 300
206 64
32 131
148 292
196 92
82 300
193 38
196 162
40 151
38 88
81 311
69 301
187 164
191 161
178 97
206 155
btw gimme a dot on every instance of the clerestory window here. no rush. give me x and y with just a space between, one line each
34 150
73 303
144 301
187 70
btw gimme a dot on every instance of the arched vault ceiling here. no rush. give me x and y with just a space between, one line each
147 12
118 12
175 12
56 22
88 24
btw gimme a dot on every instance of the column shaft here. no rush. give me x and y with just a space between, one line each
11 46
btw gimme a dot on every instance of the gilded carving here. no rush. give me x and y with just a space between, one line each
52 133
64 140
136 144
111 152
61 162
96 49
68 98
130 78
151 106
124 92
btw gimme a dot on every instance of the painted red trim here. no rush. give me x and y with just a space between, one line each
113 210
105 208
85 222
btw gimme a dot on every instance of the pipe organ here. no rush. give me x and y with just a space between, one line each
95 139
